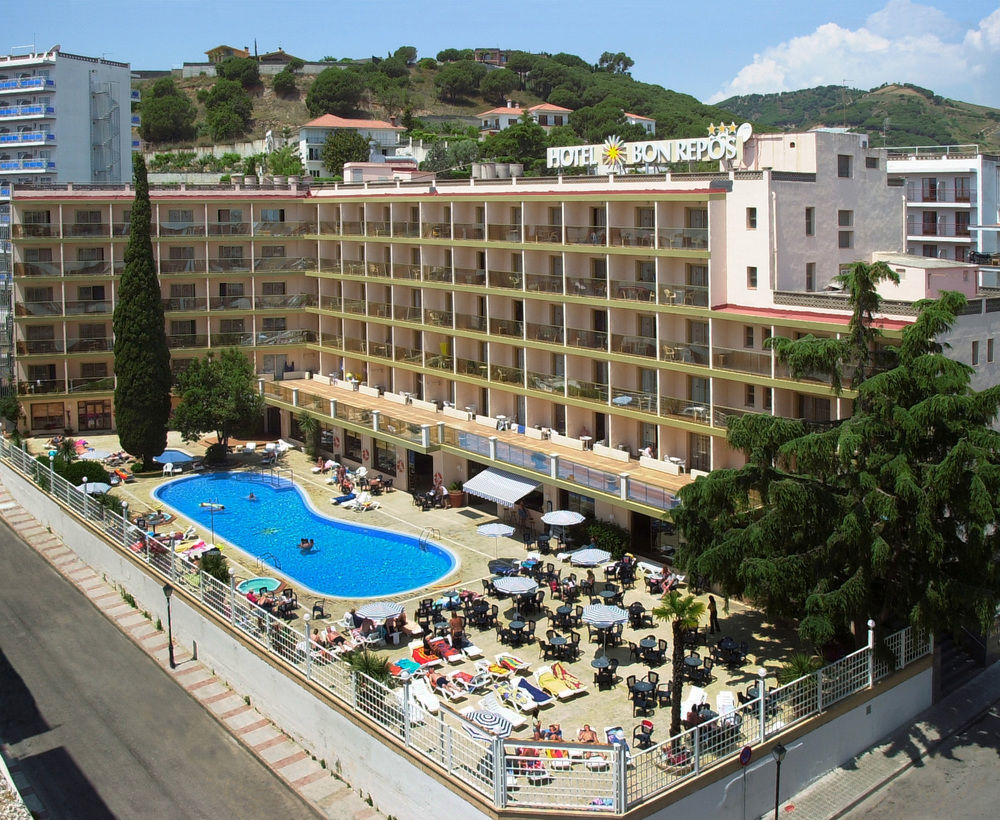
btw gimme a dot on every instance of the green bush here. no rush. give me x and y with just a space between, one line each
216 565
215 454
284 83
75 471
609 536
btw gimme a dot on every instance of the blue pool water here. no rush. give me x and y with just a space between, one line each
174 457
257 584
348 560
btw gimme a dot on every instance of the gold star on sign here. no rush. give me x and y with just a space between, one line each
711 129
732 128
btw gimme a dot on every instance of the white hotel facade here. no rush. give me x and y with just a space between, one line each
534 335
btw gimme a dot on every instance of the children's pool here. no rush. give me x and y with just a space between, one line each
348 560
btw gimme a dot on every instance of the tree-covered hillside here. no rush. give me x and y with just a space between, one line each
894 115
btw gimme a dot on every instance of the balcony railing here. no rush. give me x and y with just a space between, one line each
75 229
16 111
228 265
506 279
940 193
33 230
470 321
437 230
590 339
41 386
472 367
439 318
184 303
40 347
469 276
191 340
27 165
587 287
49 308
687 352
95 268
410 229
26 83
290 264
544 283
947 229
685 238
229 303
89 307
91 384
90 345
284 228
507 327
36 268
633 345
167 229
683 294
271 301
28 138
545 333
377 228
586 235
182 266
543 233
742 360
504 233
587 390
634 291
632 236
228 228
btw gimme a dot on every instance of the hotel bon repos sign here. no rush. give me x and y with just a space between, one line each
724 142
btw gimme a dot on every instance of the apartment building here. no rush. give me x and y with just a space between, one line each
383 137
527 336
951 191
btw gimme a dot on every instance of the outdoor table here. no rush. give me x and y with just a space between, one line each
562 613
753 692
560 642
516 628
648 643
608 594
692 661
728 644
602 662
642 687
441 627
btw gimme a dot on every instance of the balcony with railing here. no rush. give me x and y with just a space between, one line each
633 345
407 313
91 384
553 334
168 266
26 111
227 265
26 84
90 344
187 340
40 347
586 287
220 303
289 264
37 166
436 230
37 269
182 304
228 228
470 321
742 360
439 318
24 230
505 374
178 228
41 308
960 195
468 230
472 367
629 236
504 232
684 294
544 283
28 138
513 280
41 386
672 350
284 228
375 227
408 229
507 327
89 307
100 267
631 291
590 339
949 229
534 232
683 238
272 301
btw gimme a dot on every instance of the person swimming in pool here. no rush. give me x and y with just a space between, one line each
251 497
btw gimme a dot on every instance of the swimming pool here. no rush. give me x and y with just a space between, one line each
268 584
174 457
348 560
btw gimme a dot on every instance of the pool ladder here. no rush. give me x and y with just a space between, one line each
426 534
268 558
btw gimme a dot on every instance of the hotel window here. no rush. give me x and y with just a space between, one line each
845 219
962 223
274 324
88 217
272 288
752 277
768 398
38 254
748 336
272 214
810 221
696 217
844 166
231 326
975 353
750 396
871 162
582 504
352 445
94 370
91 293
646 271
90 255
989 350
810 276
33 295
47 416
385 457
751 219
962 189
961 254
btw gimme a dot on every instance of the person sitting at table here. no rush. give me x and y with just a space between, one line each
266 600
648 451
694 716
367 627
252 597
670 582
457 628
586 734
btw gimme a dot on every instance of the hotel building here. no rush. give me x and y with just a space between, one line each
527 337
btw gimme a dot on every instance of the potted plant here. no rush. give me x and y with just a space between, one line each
456 495
798 670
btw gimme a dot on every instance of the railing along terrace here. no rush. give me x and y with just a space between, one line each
517 774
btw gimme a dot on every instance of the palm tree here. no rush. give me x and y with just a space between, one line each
684 612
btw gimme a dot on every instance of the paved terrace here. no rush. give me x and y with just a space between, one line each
769 644
650 491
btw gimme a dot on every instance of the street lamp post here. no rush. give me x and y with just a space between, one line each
125 525
167 592
778 753
86 510
52 471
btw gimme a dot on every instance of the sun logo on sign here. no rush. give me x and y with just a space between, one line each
613 153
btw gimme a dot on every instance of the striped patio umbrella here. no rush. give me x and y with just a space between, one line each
562 518
380 610
515 585
495 530
603 617
589 557
493 723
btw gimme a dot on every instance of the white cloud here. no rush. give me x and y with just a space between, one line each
903 42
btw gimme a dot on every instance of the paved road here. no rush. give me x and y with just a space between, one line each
100 730
959 780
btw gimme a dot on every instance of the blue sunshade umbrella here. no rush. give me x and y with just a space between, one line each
380 610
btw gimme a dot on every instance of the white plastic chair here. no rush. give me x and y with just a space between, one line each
168 468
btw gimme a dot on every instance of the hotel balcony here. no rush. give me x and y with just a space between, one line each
26 84
28 138
947 194
41 386
31 166
948 230
27 112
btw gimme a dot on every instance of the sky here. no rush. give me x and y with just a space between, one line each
709 50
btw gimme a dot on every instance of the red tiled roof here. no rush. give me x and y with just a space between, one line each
639 117
550 107
333 121
503 109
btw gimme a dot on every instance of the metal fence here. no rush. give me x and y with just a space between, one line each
516 773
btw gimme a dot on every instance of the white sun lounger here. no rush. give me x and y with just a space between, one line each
421 690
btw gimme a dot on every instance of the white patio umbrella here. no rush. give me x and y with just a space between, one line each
94 487
380 610
495 530
361 472
604 616
589 557
562 518
94 455
515 585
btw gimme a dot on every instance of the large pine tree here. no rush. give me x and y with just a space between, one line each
142 358
890 514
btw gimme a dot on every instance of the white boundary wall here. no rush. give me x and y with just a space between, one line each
397 786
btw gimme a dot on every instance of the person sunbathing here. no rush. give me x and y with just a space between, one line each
586 734
446 686
555 732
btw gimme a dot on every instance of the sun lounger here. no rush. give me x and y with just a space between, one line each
491 702
407 665
421 690
557 759
421 656
447 687
537 695
472 651
479 682
416 710
512 662
568 677
515 698
446 650
494 670
693 696
549 683
343 499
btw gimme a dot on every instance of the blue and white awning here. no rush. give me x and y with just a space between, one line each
506 489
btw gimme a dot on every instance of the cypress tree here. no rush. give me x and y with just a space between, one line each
142 358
